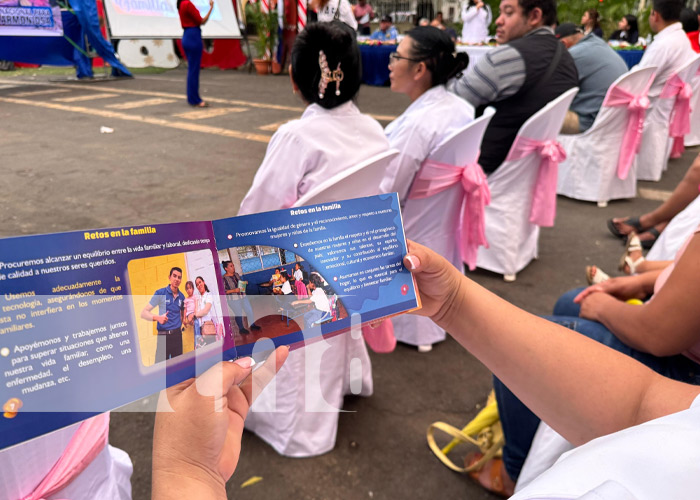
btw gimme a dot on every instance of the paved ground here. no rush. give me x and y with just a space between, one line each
165 162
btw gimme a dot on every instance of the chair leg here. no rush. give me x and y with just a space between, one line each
602 204
509 278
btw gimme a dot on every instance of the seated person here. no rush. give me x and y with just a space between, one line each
330 137
689 20
668 344
319 299
286 288
636 431
275 279
386 32
628 30
598 67
649 226
530 69
420 67
590 23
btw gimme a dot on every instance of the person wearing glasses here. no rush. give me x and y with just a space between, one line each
420 67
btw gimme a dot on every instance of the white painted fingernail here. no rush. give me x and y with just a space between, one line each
413 262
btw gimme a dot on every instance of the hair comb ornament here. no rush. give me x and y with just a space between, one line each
328 76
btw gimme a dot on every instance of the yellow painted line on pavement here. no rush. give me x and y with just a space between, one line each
654 194
202 114
81 98
234 102
272 127
40 92
140 104
190 127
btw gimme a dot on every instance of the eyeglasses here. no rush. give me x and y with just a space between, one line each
394 56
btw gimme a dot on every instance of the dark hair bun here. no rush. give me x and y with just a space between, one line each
436 49
337 41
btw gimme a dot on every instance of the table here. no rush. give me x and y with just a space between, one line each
375 63
631 57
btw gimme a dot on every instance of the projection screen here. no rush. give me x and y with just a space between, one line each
159 19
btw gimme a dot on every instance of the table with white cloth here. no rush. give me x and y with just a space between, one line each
475 52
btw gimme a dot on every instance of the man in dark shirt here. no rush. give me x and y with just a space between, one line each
529 70
171 306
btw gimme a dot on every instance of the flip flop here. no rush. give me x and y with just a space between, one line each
648 243
595 275
496 482
633 245
202 104
630 221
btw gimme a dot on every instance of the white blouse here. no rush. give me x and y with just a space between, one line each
327 13
306 152
425 124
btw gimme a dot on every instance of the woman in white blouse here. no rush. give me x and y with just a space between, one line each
203 309
476 16
420 67
331 136
334 10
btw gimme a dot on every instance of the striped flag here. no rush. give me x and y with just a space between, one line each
301 15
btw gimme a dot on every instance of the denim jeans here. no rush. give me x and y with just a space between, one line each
519 423
237 306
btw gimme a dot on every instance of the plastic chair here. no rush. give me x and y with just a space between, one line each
659 125
523 191
356 182
599 164
693 138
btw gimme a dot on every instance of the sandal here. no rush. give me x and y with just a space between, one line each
629 221
648 243
496 482
595 275
202 104
633 245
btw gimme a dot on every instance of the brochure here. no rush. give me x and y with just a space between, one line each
93 320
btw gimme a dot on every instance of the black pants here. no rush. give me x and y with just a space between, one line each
169 344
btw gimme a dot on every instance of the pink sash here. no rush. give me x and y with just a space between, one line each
380 339
544 196
87 442
434 177
632 140
680 117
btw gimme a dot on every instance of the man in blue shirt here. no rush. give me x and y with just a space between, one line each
598 67
386 32
171 307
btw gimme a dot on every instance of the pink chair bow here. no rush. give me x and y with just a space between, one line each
632 140
434 177
544 197
680 118
87 442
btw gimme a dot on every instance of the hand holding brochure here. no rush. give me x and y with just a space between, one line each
93 320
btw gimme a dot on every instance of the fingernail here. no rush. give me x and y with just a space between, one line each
244 362
413 262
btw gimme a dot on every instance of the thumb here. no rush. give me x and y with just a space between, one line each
219 379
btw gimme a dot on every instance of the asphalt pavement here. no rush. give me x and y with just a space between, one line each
83 155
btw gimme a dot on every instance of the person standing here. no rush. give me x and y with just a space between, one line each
476 16
191 20
236 298
363 15
171 309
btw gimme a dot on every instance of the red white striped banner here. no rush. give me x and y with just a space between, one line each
264 6
301 15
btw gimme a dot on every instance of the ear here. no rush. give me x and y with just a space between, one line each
534 18
295 87
420 71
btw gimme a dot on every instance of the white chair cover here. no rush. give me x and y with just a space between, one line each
675 234
24 466
293 429
590 170
512 237
360 180
296 428
440 233
693 138
655 150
